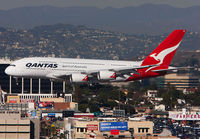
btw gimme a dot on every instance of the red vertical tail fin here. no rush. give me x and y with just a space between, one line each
164 53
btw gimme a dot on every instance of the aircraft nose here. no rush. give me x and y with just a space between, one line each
8 70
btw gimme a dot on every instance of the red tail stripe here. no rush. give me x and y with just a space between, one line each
172 40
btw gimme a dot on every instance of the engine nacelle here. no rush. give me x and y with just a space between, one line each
79 78
106 75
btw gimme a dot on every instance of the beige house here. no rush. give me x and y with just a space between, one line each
13 127
91 129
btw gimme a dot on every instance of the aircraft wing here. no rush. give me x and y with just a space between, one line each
122 70
119 71
130 69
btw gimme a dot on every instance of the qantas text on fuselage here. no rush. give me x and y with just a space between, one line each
92 70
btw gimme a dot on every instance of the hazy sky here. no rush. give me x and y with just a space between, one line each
9 4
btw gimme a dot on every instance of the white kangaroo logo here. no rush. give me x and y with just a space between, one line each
160 57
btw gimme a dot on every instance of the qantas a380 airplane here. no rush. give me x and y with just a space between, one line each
90 70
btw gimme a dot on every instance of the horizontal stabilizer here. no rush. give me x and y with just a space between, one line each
173 68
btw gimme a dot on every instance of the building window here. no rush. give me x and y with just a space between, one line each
82 129
143 130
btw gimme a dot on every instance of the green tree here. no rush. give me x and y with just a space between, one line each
83 107
134 86
193 99
170 96
153 86
77 94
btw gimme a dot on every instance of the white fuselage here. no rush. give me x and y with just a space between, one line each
46 67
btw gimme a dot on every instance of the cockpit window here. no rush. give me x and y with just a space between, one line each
12 65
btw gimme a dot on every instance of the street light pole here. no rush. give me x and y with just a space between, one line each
66 134
131 130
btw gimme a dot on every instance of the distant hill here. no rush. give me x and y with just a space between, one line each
183 58
148 18
65 40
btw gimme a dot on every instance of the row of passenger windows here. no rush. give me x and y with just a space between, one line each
69 70
84 63
93 63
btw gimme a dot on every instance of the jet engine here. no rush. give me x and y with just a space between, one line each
79 78
106 75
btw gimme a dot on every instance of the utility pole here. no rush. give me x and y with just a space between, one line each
119 100
131 130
